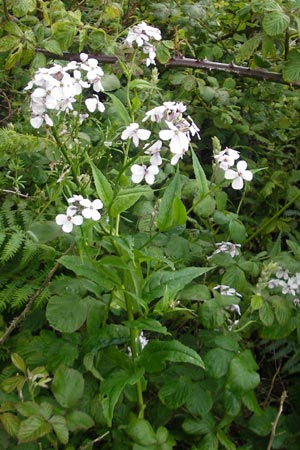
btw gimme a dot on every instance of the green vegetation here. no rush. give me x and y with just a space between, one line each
149 225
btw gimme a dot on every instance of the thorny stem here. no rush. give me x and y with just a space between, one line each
31 301
181 61
275 423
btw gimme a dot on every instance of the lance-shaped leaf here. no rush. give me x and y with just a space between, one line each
102 185
156 353
165 218
200 177
126 198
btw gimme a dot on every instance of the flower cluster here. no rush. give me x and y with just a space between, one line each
178 133
227 247
57 87
78 209
226 159
226 290
143 35
288 284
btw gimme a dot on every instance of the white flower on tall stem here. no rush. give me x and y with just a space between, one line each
134 132
227 157
227 247
154 151
94 103
179 141
68 220
239 175
90 208
139 172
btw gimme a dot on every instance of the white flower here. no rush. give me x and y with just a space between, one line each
239 176
226 290
136 133
90 209
141 172
151 52
94 103
75 199
154 151
155 114
179 141
282 273
142 33
227 247
68 220
234 308
226 158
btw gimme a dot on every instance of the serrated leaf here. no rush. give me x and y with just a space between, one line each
66 313
141 431
291 69
126 198
67 386
175 394
248 48
18 362
59 425
198 426
23 7
103 187
242 374
79 420
8 43
174 281
111 388
64 32
33 428
275 22
157 352
162 53
10 423
217 362
199 401
53 46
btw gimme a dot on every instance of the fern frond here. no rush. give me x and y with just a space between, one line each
12 141
7 293
30 249
2 237
12 246
22 295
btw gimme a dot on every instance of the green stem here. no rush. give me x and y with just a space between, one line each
266 224
64 151
5 11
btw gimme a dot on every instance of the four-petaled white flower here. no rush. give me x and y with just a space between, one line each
134 132
68 220
179 140
90 210
227 247
141 172
226 158
239 175
154 151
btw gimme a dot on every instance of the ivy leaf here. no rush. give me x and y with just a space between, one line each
156 353
275 22
67 386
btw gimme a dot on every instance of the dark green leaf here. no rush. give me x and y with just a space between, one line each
67 386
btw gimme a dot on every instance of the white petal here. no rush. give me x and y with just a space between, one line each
95 215
166 135
60 219
77 220
230 174
153 170
87 213
67 227
143 134
241 166
137 170
97 204
149 178
85 202
36 122
91 104
247 175
238 183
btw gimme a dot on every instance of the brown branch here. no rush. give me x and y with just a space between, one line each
275 423
31 301
181 61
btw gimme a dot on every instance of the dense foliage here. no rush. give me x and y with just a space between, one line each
149 233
